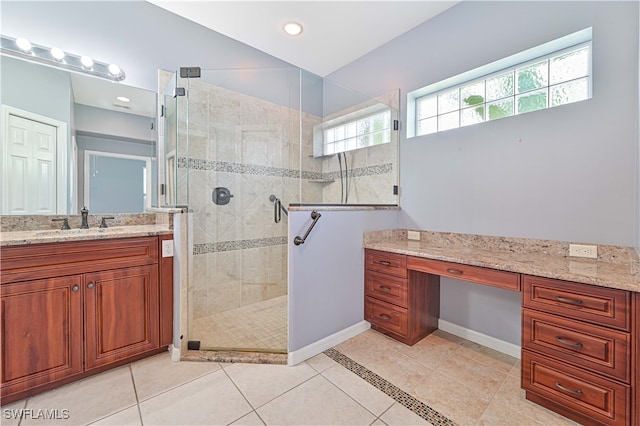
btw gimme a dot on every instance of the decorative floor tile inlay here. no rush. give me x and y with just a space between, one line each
400 396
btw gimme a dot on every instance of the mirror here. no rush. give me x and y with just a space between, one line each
69 142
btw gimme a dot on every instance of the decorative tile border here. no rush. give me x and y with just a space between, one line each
238 245
413 404
381 169
258 170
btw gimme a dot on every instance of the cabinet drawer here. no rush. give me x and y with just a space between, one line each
385 262
602 306
584 345
386 287
385 315
476 274
601 399
69 258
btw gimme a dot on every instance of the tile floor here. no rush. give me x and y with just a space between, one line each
466 384
259 325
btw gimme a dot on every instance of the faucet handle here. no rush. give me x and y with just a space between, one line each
65 222
103 223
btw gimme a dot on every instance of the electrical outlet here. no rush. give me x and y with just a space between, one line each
581 250
413 235
167 248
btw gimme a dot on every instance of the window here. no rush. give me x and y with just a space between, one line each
367 127
559 77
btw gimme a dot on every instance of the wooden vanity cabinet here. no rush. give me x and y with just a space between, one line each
77 308
577 350
41 333
121 314
400 303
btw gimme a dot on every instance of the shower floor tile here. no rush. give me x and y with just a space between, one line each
260 326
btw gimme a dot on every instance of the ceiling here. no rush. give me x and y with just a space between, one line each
335 32
99 93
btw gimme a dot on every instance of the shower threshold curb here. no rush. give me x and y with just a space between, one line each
236 356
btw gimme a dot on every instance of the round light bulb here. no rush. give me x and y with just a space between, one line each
23 44
292 28
86 61
123 99
57 53
114 69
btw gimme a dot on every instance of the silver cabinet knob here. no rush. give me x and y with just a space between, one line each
90 285
75 288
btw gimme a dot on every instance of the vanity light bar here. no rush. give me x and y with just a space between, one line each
55 57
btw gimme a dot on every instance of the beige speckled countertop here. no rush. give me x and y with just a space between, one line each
616 267
39 229
16 238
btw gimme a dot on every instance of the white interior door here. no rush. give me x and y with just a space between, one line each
31 167
34 172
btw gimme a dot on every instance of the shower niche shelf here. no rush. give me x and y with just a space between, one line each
321 180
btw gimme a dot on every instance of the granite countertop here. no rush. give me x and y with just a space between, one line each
616 267
15 238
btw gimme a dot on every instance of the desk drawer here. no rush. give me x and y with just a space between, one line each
601 399
594 348
386 287
599 305
385 262
487 276
385 315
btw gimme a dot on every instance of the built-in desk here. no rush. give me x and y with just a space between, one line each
580 317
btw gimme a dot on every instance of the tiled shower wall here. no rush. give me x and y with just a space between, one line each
372 171
252 147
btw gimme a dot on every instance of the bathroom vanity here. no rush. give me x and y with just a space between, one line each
580 317
78 307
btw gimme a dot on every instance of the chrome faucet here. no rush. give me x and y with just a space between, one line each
85 218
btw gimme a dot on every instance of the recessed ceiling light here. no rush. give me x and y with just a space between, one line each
292 28
123 99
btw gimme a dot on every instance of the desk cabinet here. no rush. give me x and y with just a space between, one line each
73 309
400 303
577 349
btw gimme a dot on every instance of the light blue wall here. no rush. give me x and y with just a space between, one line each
567 173
326 273
37 89
99 121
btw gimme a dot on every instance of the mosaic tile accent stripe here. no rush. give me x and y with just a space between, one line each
238 245
381 169
254 169
413 404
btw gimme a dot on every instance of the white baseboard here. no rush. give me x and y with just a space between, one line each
479 338
175 353
321 345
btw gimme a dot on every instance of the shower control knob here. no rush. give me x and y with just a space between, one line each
221 196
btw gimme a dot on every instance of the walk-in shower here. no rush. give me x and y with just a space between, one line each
241 146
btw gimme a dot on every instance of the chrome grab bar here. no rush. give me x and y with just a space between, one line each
300 240
278 208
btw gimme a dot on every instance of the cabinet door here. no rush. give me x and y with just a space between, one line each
41 326
121 314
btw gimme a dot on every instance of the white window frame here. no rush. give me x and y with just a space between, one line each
520 60
320 131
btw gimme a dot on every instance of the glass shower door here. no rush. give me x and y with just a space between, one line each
243 152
